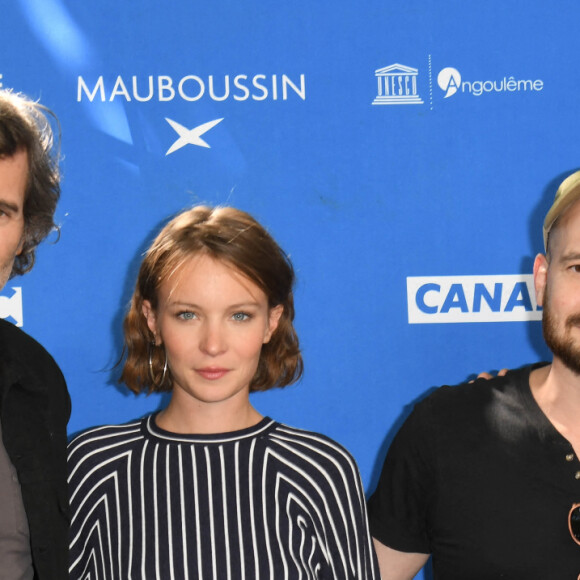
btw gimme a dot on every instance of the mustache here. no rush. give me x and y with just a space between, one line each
573 320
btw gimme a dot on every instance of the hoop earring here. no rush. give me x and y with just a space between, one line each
154 383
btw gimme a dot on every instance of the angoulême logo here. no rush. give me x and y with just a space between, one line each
449 80
506 298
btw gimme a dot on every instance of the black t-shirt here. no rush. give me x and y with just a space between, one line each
480 478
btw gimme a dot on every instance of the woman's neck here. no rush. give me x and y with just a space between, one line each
203 418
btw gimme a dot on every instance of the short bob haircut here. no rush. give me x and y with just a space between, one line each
24 126
237 239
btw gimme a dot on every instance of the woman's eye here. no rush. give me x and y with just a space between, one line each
240 316
186 315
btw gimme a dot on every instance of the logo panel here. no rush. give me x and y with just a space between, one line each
397 85
192 88
11 306
190 136
452 299
449 80
105 94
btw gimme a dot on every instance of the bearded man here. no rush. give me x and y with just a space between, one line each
485 477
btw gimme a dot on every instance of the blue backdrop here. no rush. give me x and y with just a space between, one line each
403 152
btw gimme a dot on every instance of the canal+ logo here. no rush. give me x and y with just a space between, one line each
448 299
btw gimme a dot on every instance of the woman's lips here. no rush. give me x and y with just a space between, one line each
212 374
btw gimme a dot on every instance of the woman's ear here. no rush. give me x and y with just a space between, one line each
273 320
151 319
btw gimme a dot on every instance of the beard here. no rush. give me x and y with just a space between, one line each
560 341
5 272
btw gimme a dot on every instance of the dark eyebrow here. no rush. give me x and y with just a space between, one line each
12 207
570 257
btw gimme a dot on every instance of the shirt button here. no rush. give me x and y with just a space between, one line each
569 457
577 475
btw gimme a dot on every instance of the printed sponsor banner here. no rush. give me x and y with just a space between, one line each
11 306
375 142
446 299
191 88
399 84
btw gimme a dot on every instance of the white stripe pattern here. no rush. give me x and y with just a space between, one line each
268 502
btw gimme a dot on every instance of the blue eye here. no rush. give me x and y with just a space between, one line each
240 316
186 315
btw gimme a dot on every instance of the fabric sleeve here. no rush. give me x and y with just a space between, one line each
325 480
353 542
367 568
75 547
86 556
99 481
399 509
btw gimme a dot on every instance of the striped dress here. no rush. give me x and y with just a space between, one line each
265 503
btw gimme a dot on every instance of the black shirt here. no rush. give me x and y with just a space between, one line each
480 478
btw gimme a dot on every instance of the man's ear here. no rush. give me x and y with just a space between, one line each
540 277
151 317
21 245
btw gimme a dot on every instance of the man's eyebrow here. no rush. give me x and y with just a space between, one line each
6 205
571 256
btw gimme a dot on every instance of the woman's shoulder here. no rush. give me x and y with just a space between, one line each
103 438
311 443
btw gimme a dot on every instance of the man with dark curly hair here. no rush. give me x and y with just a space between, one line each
34 402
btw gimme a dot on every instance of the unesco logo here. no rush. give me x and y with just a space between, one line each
397 85
448 299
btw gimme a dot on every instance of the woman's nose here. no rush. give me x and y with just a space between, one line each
213 339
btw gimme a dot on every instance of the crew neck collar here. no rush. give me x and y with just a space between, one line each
152 430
